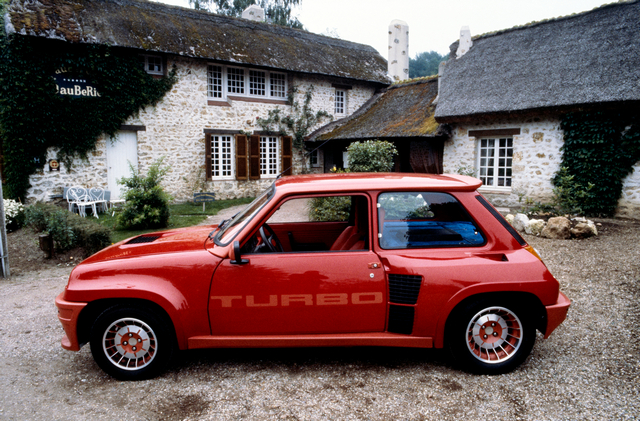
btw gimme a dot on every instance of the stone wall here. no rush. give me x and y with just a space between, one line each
536 159
174 129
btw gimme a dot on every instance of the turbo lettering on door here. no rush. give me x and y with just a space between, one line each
288 300
273 301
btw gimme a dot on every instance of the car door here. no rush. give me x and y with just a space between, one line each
315 292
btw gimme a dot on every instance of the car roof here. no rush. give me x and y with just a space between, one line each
343 182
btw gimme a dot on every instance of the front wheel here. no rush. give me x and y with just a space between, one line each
131 343
490 337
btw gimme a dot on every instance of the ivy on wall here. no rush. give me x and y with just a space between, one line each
600 149
298 122
34 117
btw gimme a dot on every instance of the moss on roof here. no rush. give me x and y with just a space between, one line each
158 27
403 110
579 60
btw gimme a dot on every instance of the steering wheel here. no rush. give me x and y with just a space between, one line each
270 239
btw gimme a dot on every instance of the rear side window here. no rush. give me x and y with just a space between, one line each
424 219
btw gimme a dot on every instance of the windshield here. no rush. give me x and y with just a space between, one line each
231 228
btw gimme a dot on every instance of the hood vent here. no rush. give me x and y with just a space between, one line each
144 239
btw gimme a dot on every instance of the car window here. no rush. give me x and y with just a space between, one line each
424 219
231 228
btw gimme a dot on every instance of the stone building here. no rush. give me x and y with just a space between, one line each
506 96
496 108
230 72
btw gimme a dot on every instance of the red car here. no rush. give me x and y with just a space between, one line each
405 260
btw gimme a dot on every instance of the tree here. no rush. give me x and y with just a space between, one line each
276 11
425 64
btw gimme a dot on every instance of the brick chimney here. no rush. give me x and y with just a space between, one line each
398 50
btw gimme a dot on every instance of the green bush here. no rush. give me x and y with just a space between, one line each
330 209
371 156
67 229
146 203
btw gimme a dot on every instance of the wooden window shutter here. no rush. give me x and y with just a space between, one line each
241 157
287 155
254 157
207 155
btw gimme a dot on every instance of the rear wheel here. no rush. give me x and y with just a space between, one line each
490 337
131 343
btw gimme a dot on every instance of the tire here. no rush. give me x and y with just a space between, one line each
131 343
489 337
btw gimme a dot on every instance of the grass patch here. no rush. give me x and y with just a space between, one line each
181 215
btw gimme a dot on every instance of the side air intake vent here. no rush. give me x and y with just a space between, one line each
147 239
401 319
404 289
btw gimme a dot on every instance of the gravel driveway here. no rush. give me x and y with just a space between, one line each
588 369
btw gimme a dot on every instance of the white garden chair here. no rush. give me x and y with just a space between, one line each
78 196
98 195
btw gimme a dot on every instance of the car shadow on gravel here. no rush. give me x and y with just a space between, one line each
298 359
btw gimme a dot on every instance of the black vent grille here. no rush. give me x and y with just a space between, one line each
401 319
144 239
404 289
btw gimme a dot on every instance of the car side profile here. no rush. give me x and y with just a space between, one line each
403 260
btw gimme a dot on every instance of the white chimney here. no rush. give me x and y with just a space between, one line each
253 12
465 42
398 50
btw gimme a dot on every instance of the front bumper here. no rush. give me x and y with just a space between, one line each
556 313
68 313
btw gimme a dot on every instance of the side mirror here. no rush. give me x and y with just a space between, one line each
236 257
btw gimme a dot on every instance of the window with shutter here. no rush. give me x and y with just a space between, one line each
241 158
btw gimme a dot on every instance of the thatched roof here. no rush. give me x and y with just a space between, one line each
162 28
588 58
403 110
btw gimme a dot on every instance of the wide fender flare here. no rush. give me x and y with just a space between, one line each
158 291
529 288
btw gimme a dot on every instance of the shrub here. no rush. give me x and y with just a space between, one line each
67 230
371 156
334 208
146 203
14 214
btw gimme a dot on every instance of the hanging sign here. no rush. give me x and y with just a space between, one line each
76 86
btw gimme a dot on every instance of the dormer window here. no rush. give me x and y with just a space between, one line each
152 64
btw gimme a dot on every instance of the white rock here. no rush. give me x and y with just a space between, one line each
535 226
520 222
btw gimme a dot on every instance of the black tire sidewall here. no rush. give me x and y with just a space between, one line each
163 332
456 336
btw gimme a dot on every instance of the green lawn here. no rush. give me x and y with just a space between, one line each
182 215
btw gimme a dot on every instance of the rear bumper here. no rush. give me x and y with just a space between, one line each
68 313
556 313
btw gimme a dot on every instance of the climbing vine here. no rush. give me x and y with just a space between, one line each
35 117
299 122
600 149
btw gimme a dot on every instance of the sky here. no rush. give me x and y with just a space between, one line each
433 25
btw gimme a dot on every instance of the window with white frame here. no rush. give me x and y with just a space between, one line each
341 101
152 64
235 80
214 82
495 158
222 157
314 158
269 156
239 82
278 85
